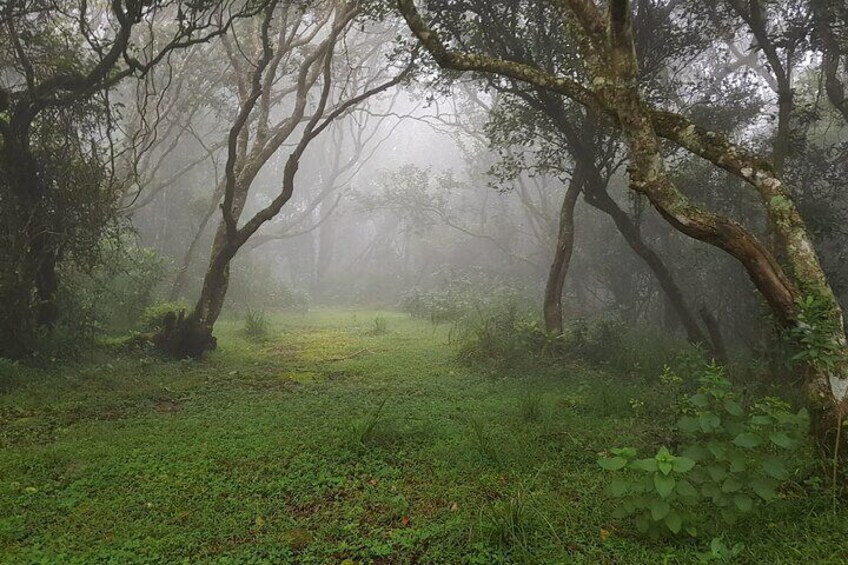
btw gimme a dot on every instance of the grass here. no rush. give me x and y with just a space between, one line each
326 443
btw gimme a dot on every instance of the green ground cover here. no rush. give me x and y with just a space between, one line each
341 440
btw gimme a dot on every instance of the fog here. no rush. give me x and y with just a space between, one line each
434 281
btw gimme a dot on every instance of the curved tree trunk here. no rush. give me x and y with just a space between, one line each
615 94
552 307
827 382
596 195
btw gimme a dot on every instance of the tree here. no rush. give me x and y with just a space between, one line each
294 50
796 289
59 186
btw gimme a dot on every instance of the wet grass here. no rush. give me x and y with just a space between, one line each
328 441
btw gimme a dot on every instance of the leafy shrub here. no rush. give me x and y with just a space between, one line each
152 319
494 337
257 325
458 294
380 327
124 286
732 459
530 406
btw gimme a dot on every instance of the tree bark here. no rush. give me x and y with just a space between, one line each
552 307
597 196
607 47
33 303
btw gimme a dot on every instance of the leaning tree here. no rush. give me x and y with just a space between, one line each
789 276
307 66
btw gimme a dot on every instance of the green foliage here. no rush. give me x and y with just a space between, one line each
814 333
124 285
508 522
531 407
483 442
370 428
239 447
720 552
498 336
380 327
732 459
257 325
458 295
152 319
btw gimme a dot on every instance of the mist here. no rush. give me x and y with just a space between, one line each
423 282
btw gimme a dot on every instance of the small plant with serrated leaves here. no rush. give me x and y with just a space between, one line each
656 493
732 459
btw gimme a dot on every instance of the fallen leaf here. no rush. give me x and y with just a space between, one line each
405 520
604 534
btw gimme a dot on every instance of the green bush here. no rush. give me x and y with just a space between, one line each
501 336
257 325
380 327
152 319
458 294
731 460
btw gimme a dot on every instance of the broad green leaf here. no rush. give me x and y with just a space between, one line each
708 422
649 465
683 464
612 463
688 424
700 400
760 420
780 439
665 467
674 522
664 484
659 509
743 502
626 452
717 472
765 488
685 489
733 408
729 516
737 463
695 452
775 468
748 440
717 450
618 487
731 484
710 490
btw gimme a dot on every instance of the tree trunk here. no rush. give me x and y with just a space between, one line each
597 196
552 307
827 382
29 302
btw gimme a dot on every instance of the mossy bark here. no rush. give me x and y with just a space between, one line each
607 48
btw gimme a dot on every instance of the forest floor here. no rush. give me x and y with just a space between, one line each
332 443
